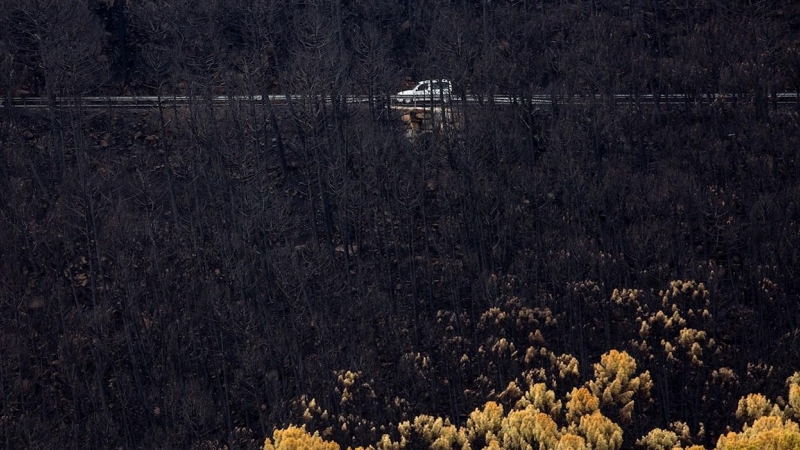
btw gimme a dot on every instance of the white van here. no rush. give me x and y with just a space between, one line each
426 91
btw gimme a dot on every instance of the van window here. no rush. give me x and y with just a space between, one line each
422 87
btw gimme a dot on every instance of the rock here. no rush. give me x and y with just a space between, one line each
351 249
27 134
431 185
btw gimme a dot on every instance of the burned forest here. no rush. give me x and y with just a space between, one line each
220 229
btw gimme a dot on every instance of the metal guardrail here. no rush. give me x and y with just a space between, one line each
540 99
142 100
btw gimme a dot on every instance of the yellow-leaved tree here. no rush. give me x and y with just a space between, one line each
616 382
297 438
766 426
767 432
537 419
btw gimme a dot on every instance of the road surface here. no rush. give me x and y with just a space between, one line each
536 99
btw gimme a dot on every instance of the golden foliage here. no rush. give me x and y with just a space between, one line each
312 410
581 402
531 424
503 347
616 382
689 336
494 316
686 289
571 441
725 376
771 428
600 432
347 381
690 339
439 433
566 365
659 439
793 407
682 300
523 428
386 443
542 400
627 296
493 445
537 419
681 429
485 424
294 438
674 439
753 407
511 393
767 432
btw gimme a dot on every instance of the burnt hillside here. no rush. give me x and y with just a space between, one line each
192 276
